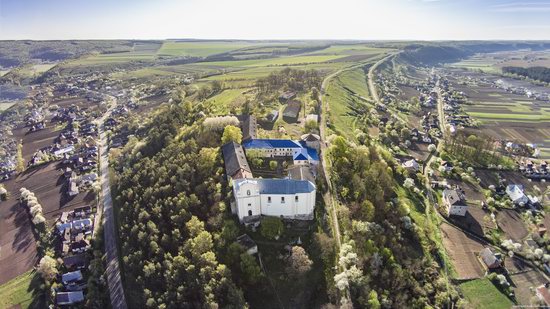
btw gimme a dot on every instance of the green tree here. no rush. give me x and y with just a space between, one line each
310 126
232 134
272 227
273 165
373 302
250 269
20 165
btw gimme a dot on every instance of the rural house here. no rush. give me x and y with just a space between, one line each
490 260
248 244
287 95
311 140
543 295
291 111
249 127
69 298
411 165
515 193
455 204
236 165
288 198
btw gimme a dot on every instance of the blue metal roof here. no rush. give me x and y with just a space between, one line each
300 157
270 143
280 186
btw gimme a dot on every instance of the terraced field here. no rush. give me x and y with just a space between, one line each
508 116
199 49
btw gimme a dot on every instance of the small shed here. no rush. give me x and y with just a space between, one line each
248 244
491 260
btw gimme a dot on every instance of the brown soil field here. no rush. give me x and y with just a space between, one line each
490 177
463 251
17 243
419 151
511 223
407 93
473 221
523 282
18 247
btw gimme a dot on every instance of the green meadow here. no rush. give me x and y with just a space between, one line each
483 294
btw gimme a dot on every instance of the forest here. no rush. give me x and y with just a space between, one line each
537 73
170 198
384 263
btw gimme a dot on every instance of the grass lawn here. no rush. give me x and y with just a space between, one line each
483 294
21 291
222 101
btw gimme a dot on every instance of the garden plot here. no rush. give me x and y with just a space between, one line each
463 250
511 223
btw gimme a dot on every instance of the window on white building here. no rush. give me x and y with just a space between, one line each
296 198
282 199
269 199
247 192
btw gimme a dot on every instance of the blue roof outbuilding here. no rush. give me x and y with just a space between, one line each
300 157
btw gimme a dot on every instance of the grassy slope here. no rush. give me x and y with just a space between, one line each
482 294
339 98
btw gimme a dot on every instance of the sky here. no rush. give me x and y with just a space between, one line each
281 19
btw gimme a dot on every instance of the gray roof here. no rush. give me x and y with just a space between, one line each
292 109
234 158
246 241
453 196
489 258
249 127
281 186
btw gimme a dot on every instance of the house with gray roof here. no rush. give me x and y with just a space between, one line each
516 194
287 198
491 260
236 165
69 298
455 203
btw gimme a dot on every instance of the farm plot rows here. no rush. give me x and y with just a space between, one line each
508 116
462 249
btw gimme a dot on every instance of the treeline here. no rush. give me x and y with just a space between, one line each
383 261
536 73
170 195
434 53
289 79
481 151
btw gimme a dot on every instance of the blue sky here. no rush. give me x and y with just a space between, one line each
282 19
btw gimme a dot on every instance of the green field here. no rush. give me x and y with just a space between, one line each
20 291
483 294
281 61
339 101
511 117
198 49
222 101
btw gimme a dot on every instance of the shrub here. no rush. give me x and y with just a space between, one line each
271 227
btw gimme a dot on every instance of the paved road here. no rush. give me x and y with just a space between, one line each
114 280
